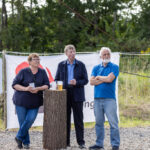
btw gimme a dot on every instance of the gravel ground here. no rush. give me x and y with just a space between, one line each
137 138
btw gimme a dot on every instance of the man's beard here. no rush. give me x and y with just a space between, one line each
106 60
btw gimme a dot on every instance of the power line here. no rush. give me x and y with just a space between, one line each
86 20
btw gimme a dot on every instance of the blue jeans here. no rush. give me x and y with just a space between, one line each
108 107
26 118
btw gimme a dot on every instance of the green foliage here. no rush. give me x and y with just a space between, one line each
1 121
90 25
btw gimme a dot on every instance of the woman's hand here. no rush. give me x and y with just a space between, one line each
31 89
34 90
28 88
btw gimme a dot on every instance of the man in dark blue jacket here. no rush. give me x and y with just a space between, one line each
74 76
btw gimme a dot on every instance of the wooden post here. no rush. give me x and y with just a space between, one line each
54 127
4 87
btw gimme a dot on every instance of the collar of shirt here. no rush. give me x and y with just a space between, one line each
107 64
68 63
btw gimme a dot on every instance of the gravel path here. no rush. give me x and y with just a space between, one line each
137 138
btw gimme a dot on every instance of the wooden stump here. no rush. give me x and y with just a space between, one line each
54 127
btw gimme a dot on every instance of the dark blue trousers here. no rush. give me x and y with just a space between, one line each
77 108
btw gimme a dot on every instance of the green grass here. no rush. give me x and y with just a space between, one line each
1 121
134 122
134 96
1 125
124 123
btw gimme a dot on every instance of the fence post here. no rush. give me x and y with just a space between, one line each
4 87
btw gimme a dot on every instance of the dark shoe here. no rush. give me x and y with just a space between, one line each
26 146
81 146
95 147
19 143
115 148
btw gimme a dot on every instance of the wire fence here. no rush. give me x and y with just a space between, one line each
134 86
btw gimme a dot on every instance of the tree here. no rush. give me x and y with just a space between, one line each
89 25
3 21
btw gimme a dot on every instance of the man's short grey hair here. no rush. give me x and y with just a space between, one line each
104 48
68 47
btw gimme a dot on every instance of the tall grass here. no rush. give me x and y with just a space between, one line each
135 63
134 91
1 120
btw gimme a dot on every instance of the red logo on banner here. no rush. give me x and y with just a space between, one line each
25 64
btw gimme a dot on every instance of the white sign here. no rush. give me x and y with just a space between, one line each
51 62
1 75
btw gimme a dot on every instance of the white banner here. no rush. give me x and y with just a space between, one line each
51 62
1 75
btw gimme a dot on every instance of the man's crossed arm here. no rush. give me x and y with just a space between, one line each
102 79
